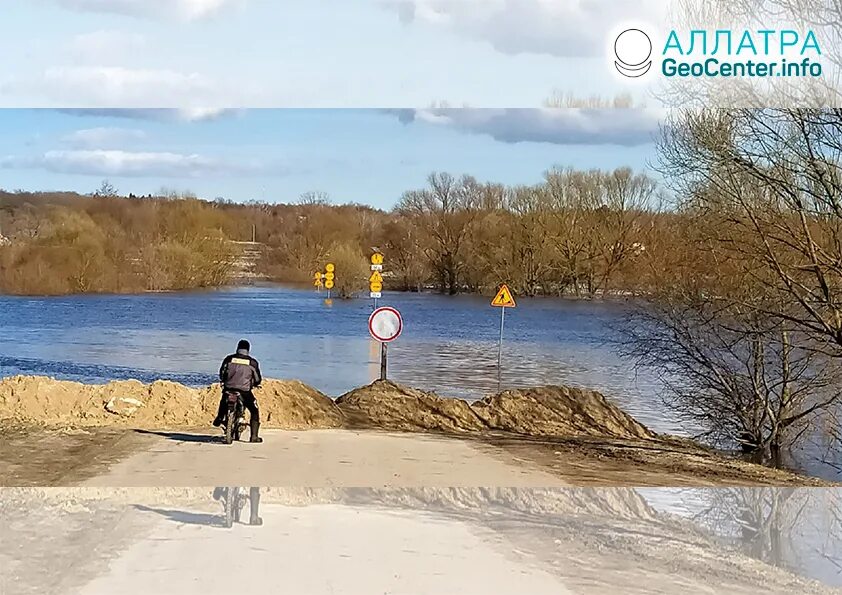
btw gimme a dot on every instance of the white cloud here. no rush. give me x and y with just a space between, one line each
562 126
114 85
569 28
104 137
181 9
128 164
155 114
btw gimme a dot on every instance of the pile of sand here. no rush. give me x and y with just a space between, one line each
557 411
545 411
162 404
390 406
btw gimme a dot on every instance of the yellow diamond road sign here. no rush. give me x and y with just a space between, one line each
504 298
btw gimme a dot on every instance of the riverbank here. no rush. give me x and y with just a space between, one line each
59 433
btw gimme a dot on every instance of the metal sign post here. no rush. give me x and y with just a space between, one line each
385 325
375 282
330 277
500 349
504 299
383 357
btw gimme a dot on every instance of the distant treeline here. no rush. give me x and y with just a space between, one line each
578 232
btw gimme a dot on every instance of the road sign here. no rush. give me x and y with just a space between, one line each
504 298
377 267
376 287
376 277
330 267
385 324
376 258
317 279
375 295
329 284
330 276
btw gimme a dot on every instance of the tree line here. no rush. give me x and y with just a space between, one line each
577 232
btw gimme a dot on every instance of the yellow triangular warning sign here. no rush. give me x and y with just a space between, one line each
504 298
376 277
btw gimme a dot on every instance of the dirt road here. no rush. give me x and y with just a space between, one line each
321 458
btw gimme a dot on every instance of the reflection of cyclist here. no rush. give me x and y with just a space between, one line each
240 372
254 505
224 494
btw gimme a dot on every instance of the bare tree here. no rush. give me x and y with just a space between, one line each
445 210
106 189
314 198
740 377
771 182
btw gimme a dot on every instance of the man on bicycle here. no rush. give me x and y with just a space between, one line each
240 372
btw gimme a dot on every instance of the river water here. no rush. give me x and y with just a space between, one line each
449 344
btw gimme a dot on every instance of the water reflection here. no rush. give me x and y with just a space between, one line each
233 501
489 540
798 529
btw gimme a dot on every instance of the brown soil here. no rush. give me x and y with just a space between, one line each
389 406
662 462
558 411
33 455
57 432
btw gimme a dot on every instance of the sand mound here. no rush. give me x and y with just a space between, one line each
162 404
545 411
558 411
391 406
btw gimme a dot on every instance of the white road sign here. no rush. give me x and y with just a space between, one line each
385 324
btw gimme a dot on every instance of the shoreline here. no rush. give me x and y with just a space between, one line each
619 296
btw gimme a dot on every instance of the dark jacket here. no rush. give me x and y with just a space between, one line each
240 371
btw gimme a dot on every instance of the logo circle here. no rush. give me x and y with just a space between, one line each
632 47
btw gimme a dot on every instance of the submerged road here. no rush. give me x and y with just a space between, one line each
440 515
321 458
321 550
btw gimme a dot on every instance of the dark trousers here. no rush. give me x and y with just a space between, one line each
249 402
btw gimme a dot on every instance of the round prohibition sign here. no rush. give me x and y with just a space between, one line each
385 324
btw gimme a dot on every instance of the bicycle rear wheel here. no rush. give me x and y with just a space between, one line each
230 425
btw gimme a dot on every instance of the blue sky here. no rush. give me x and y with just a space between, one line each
356 155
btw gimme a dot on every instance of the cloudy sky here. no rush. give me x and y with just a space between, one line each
360 155
390 59
300 53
